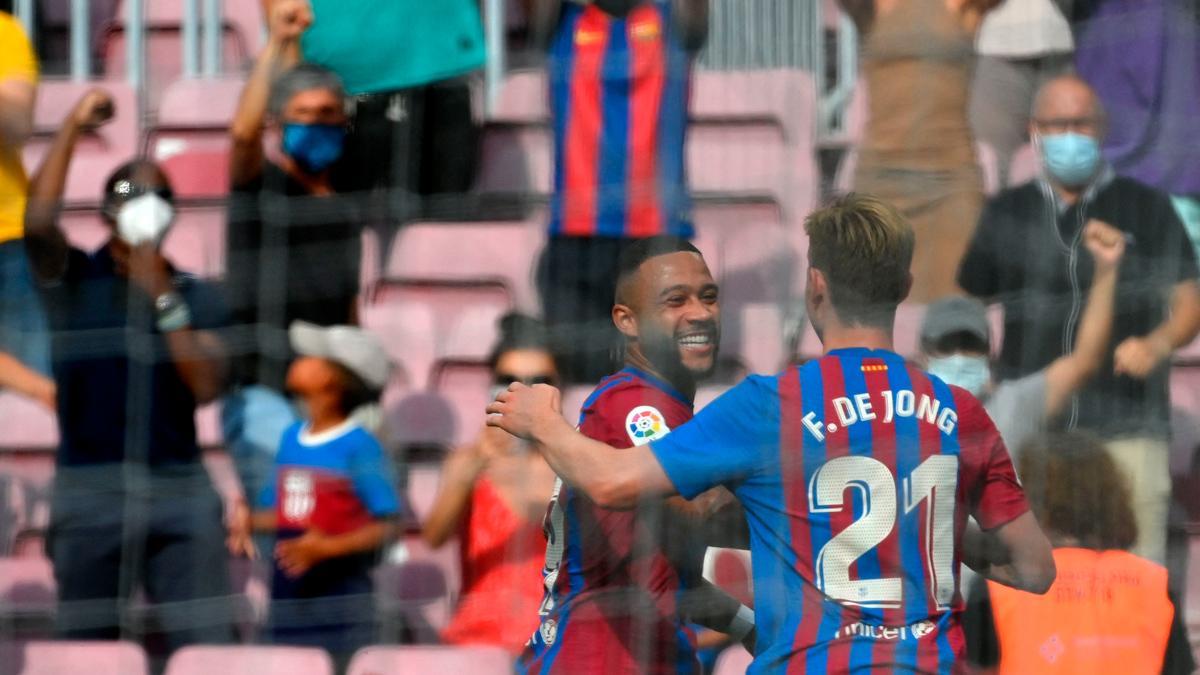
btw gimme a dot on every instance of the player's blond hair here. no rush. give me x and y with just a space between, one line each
864 247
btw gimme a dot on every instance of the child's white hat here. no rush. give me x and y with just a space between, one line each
349 346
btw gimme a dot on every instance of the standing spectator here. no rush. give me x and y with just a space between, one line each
134 352
405 63
493 496
956 342
619 136
1021 45
294 251
332 499
22 321
917 153
1026 255
1109 611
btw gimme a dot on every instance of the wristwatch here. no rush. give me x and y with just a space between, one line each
173 312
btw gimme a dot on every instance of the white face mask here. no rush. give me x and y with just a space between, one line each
144 219
972 373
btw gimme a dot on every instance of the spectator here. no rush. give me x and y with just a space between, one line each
917 153
294 251
1109 611
1022 44
134 352
956 342
405 63
20 378
332 499
22 321
493 496
1025 255
619 169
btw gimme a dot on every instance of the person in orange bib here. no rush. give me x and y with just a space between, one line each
1109 611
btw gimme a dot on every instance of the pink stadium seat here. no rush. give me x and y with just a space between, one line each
407 331
1185 387
202 104
257 660
25 424
29 476
504 250
423 481
436 614
573 400
26 585
516 157
421 660
761 344
1024 166
98 152
421 419
733 661
191 137
523 97
1189 353
196 172
466 387
62 657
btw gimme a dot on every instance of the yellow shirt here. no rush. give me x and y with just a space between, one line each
17 62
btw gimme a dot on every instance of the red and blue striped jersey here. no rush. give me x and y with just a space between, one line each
610 602
857 472
619 101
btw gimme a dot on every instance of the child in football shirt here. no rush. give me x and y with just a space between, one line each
332 498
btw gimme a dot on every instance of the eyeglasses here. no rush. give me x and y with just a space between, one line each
505 379
1058 125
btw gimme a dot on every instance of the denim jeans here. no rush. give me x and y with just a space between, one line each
23 331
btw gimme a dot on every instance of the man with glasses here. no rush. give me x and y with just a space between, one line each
1027 255
135 350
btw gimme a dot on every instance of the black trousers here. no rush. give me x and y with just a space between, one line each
165 536
577 279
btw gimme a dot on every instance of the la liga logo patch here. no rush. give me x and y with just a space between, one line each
644 424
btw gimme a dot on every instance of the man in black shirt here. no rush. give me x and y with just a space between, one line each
133 353
293 236
1027 255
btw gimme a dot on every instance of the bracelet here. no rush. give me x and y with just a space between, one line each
742 624
173 313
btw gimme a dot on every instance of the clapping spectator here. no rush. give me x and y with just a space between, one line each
22 321
134 352
332 499
917 153
1027 255
294 251
1109 611
618 168
493 496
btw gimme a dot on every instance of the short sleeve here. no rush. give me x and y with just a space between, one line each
728 441
266 496
1180 245
977 271
374 478
17 60
994 496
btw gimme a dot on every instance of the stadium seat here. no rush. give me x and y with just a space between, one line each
421 660
733 661
195 243
191 137
515 157
503 250
431 615
407 332
62 657
1024 166
98 152
257 660
465 386
413 594
523 97
573 399
27 596
761 347
419 420
729 570
26 425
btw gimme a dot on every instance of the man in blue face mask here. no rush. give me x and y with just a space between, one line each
956 346
1027 254
293 234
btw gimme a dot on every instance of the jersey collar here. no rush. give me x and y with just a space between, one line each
658 383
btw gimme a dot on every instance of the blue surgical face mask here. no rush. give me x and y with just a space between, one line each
969 372
1070 158
314 146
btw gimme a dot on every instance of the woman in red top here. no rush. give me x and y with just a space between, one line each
493 496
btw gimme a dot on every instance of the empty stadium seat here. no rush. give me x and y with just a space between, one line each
761 346
407 331
25 424
413 594
515 157
433 615
523 97
733 661
503 250
98 152
421 660
191 138
423 420
60 657
257 660
465 386
27 595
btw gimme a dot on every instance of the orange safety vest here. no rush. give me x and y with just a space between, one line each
1107 612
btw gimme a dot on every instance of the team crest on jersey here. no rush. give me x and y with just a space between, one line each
644 424
299 498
